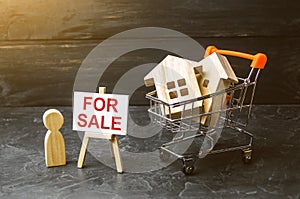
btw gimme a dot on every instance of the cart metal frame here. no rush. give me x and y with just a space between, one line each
234 113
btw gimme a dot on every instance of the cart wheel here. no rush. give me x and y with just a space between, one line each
247 156
188 164
163 155
188 170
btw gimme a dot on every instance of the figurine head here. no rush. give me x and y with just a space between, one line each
53 120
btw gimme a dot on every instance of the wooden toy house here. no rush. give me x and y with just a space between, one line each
177 79
214 74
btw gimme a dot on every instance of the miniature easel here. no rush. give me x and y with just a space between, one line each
114 146
55 151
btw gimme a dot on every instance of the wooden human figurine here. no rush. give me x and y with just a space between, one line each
55 152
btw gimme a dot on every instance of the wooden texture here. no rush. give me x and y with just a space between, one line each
216 74
114 146
42 44
84 145
175 81
55 150
90 19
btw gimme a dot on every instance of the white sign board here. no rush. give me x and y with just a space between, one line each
104 113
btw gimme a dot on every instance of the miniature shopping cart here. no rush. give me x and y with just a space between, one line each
230 112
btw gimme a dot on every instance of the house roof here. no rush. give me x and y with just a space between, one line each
170 67
221 64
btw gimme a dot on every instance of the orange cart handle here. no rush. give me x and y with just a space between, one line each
258 61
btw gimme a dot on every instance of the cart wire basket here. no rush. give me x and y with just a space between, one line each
230 109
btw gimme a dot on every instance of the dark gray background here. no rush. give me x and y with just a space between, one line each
43 43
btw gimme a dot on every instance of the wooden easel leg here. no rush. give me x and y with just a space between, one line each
111 150
83 149
116 152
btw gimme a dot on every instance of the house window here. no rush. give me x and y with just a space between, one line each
171 85
205 83
184 92
181 82
179 88
173 94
